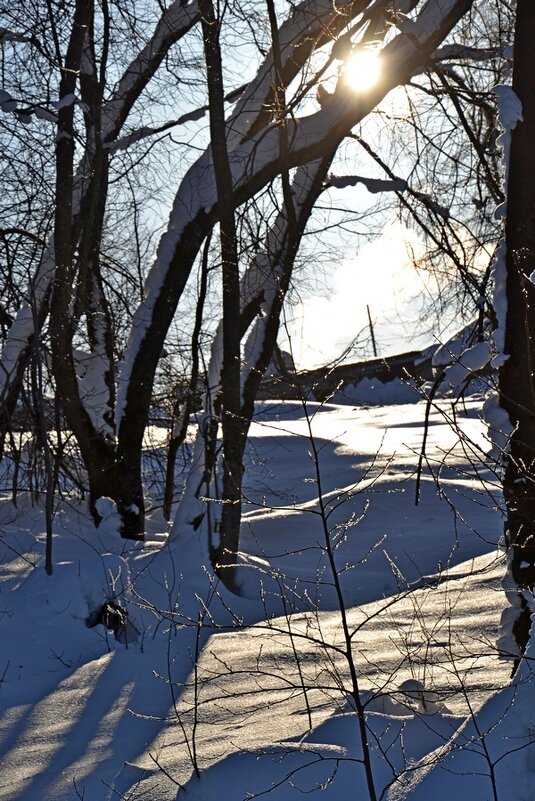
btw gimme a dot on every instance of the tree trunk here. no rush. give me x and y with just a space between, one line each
129 492
227 548
517 382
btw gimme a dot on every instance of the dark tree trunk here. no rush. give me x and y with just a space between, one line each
517 377
129 493
229 532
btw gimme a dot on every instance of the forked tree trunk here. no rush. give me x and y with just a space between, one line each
97 449
517 376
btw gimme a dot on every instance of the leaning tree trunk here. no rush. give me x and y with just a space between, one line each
517 377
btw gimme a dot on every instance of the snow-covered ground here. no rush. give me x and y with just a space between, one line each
213 696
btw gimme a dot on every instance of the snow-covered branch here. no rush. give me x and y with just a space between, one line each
24 112
377 185
8 35
174 23
310 24
459 52
147 131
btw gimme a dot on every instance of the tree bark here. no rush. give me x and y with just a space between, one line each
517 377
226 549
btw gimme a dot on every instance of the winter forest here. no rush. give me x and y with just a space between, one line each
229 572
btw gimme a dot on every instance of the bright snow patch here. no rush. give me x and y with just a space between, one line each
100 717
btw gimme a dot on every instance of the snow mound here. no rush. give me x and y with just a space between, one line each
375 392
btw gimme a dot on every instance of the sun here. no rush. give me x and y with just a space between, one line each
363 69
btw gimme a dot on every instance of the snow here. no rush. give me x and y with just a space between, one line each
449 352
492 755
509 115
509 107
373 185
500 426
44 114
499 302
377 185
6 35
67 100
94 393
474 358
422 589
201 676
7 102
373 391
21 331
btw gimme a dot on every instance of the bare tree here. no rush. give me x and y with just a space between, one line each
270 140
253 163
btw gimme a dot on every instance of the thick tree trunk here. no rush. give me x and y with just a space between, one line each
129 493
517 376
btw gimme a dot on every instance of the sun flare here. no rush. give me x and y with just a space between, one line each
363 70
